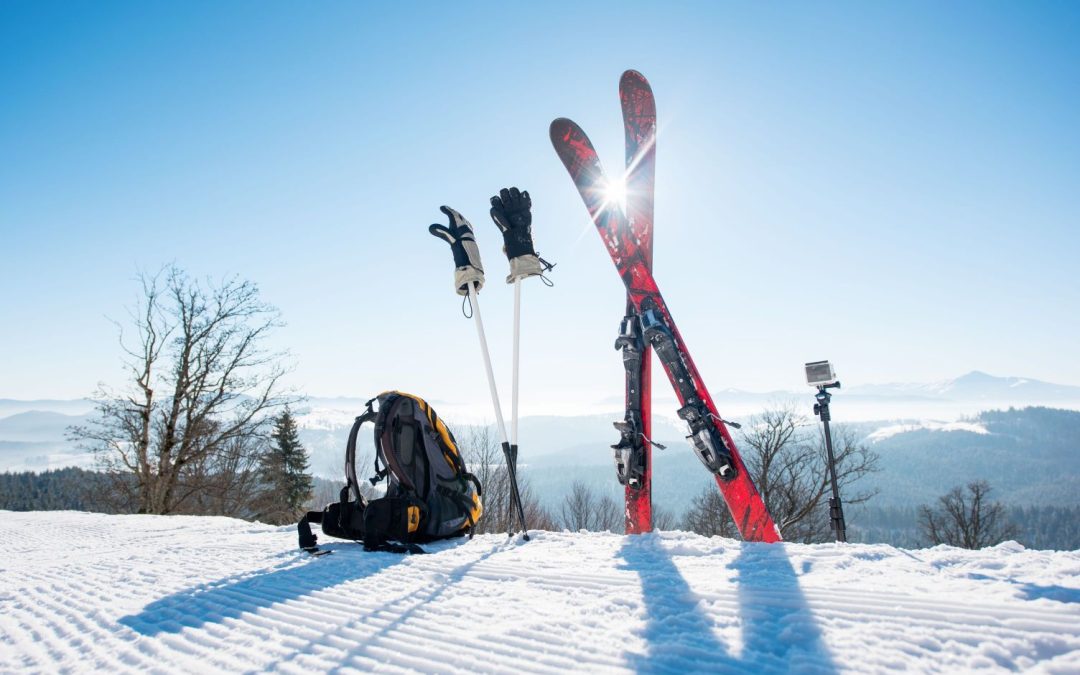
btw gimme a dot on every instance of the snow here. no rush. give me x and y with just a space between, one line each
88 592
333 418
328 419
895 429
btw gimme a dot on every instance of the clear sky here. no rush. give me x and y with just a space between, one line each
895 187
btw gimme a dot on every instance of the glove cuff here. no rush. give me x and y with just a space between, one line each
465 277
524 266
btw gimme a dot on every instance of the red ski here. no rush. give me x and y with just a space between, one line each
633 454
709 436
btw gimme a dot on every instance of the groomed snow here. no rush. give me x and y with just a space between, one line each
87 592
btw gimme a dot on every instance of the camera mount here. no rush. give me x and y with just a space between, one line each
820 374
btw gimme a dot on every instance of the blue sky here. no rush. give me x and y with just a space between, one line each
890 186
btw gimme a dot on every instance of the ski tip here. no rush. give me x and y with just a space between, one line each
633 77
562 128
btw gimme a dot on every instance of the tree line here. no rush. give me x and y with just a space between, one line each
1037 527
277 486
203 426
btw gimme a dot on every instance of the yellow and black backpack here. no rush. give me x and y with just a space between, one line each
429 493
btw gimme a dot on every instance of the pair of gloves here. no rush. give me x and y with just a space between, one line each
511 210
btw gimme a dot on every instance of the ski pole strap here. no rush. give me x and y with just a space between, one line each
548 266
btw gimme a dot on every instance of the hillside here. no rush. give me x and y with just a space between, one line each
184 594
1030 456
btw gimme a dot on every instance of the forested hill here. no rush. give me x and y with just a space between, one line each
1029 456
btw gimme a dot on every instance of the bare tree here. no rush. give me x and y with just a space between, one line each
577 507
582 509
965 517
484 457
709 515
662 519
183 435
225 482
609 516
537 517
791 471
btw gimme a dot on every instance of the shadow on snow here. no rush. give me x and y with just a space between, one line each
779 633
1033 591
236 595
405 608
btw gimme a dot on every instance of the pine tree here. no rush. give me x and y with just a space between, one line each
288 485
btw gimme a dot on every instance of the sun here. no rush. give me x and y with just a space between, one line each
614 192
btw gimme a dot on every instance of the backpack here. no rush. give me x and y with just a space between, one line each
430 494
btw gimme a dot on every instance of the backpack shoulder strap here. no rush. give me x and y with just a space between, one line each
350 450
307 537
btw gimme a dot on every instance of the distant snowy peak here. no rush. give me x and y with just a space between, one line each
325 419
929 425
81 406
975 386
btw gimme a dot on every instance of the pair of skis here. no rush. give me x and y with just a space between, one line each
627 235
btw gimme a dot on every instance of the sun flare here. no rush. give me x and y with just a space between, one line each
614 192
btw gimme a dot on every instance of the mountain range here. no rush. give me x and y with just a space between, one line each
923 446
975 386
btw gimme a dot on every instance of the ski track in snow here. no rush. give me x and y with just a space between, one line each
88 592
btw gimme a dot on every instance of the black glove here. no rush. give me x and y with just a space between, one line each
467 266
511 210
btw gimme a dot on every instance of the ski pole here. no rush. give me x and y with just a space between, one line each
512 460
517 361
468 280
507 447
474 300
511 210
